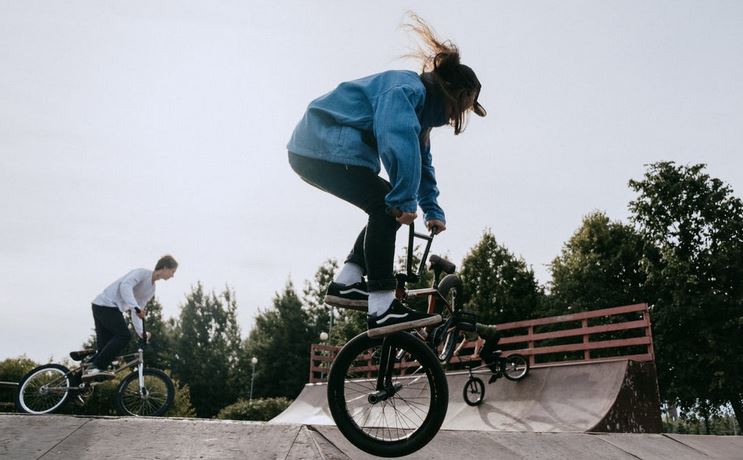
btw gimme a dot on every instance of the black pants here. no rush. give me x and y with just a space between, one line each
374 249
112 334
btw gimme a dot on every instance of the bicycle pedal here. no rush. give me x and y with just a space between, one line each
493 378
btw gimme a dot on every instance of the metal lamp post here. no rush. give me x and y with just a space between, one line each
253 361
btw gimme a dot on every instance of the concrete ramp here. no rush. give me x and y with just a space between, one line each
616 396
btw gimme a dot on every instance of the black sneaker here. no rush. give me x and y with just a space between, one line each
399 318
348 295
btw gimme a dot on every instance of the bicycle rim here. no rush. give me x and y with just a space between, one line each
152 400
411 411
44 390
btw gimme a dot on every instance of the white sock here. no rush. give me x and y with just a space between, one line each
350 273
380 301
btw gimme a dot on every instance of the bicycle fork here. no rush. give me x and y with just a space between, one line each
140 372
385 388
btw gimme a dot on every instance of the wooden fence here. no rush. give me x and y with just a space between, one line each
599 335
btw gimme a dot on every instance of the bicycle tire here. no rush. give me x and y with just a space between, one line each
515 367
473 391
450 288
448 345
401 423
35 397
159 394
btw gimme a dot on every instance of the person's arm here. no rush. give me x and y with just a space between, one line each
428 190
397 130
137 316
126 290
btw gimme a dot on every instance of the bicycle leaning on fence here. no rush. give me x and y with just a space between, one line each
144 391
388 395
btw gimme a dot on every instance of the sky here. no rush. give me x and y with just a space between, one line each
132 129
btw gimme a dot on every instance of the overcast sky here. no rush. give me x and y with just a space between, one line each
131 129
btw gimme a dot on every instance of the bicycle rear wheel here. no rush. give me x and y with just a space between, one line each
153 399
397 414
43 390
515 367
444 338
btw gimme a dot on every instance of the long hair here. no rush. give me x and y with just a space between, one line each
441 57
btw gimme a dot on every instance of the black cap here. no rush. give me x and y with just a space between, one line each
463 76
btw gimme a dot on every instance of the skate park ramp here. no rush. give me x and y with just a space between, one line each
614 396
75 437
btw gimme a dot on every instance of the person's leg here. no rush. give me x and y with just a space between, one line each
374 248
102 334
112 320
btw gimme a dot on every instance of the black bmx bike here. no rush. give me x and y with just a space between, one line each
144 391
388 395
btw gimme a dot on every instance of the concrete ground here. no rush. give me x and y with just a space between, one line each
66 437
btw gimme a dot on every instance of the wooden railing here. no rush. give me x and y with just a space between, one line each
590 336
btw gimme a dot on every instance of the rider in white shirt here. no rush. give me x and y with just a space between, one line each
130 293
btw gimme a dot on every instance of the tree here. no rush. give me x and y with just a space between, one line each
693 226
321 316
599 267
280 340
498 286
207 344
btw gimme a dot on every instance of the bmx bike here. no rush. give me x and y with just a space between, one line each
388 395
144 391
513 367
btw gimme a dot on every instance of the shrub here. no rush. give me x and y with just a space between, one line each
12 370
257 409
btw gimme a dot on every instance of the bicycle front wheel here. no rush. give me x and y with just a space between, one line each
397 414
43 390
152 399
474 391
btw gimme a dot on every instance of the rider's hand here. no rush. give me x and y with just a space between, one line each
406 218
436 226
140 312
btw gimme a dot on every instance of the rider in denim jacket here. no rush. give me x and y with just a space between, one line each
385 118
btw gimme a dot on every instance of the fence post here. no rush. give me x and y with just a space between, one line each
586 352
530 337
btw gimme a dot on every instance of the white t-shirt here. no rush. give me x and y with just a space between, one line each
132 290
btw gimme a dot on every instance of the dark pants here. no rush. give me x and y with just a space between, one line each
374 249
112 334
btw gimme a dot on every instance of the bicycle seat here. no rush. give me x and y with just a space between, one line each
439 263
79 355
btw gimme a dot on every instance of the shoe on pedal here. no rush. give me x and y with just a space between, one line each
348 295
96 375
399 318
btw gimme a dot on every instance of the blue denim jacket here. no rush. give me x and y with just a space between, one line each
383 116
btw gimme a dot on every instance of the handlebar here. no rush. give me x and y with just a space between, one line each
410 276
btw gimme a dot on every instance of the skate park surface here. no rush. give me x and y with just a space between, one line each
559 412
67 437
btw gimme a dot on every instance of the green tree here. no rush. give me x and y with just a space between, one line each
599 267
693 226
207 344
498 286
280 340
321 316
